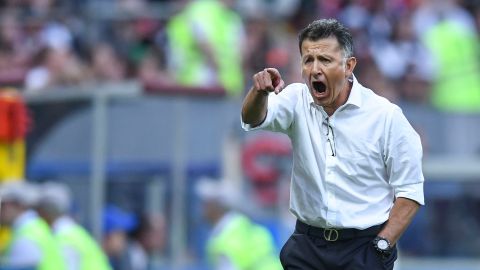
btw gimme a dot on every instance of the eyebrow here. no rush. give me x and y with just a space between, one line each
322 56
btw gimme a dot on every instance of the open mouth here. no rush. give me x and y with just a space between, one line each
320 87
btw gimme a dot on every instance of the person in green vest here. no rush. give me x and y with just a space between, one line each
32 245
456 88
80 250
205 41
235 242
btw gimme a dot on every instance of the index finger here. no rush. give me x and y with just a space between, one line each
274 73
277 81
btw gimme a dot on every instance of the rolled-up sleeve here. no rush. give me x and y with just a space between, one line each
280 110
271 112
404 158
412 192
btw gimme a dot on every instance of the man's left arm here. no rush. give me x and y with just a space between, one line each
404 168
401 216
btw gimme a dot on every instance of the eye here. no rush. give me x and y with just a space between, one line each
308 60
325 60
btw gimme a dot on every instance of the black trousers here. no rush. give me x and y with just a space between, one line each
309 249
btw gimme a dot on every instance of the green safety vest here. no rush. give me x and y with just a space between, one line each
457 86
91 256
248 246
219 25
37 230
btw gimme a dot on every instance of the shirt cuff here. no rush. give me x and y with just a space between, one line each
248 127
412 191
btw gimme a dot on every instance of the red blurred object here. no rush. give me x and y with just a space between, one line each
264 175
14 120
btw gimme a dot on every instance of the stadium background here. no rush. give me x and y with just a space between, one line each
118 127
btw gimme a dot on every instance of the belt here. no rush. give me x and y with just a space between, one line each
336 234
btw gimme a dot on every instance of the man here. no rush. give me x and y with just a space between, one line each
201 52
146 242
32 246
235 242
79 249
356 179
117 224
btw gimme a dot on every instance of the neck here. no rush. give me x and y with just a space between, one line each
341 99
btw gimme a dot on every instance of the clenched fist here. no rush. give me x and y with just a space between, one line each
268 80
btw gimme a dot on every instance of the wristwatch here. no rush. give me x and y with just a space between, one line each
382 245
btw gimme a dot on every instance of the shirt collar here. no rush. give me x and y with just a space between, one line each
355 97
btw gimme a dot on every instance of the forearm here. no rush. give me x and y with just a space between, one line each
254 109
401 216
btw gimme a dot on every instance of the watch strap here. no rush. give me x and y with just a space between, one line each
385 252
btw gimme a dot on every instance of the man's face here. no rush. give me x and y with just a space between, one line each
325 70
8 212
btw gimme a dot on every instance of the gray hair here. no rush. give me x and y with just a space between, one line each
326 28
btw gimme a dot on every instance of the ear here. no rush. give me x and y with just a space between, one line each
350 64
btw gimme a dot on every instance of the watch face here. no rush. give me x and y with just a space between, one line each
382 244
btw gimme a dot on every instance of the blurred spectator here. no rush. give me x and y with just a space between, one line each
80 250
380 84
106 63
268 44
14 55
355 16
57 36
457 83
430 12
151 71
32 245
235 242
117 224
147 240
390 54
257 44
275 9
205 42
56 67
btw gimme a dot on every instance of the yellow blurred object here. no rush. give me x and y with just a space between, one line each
14 122
12 160
5 237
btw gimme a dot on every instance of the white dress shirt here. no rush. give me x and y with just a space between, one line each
373 156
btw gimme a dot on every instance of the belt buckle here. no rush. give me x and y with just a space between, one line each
330 234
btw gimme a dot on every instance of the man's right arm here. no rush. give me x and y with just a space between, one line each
254 109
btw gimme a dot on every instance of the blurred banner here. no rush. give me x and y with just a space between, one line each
13 127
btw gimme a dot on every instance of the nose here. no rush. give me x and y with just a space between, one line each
317 69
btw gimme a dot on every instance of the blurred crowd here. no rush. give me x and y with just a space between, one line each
40 231
422 52
408 50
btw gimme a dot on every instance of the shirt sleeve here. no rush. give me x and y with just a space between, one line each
280 110
24 253
403 158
